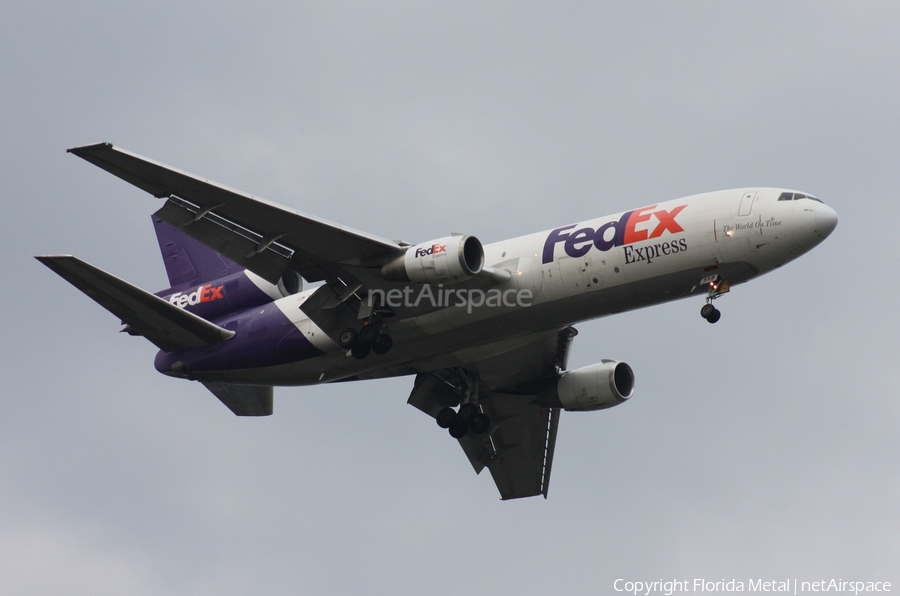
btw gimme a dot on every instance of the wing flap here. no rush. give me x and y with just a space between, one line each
519 451
525 453
239 244
244 400
167 326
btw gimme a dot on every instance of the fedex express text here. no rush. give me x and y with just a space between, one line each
639 225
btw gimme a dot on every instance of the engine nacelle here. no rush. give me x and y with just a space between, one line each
289 283
594 387
449 259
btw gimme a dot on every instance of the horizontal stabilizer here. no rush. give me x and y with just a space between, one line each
244 400
164 324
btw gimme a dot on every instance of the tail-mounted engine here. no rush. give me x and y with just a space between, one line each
448 260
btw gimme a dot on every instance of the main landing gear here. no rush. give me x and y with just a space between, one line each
717 287
469 417
368 339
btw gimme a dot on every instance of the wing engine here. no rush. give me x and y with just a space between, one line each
449 259
595 387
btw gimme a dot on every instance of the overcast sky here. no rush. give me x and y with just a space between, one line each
765 446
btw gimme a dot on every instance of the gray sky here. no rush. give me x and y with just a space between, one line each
765 446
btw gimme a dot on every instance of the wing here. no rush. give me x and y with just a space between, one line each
518 449
164 324
267 238
262 236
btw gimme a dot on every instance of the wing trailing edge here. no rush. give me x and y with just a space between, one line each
167 326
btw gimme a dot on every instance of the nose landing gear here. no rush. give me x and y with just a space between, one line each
716 288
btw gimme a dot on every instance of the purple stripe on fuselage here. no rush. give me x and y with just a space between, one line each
263 337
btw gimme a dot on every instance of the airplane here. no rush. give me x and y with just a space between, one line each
486 330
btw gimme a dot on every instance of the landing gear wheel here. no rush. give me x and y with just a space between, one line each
467 413
382 344
459 430
360 351
714 316
480 424
707 310
368 333
446 418
347 338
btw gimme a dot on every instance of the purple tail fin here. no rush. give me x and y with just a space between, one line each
189 261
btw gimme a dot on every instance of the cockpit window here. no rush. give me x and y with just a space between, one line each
796 196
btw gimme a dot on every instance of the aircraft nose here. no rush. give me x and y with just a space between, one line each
826 220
